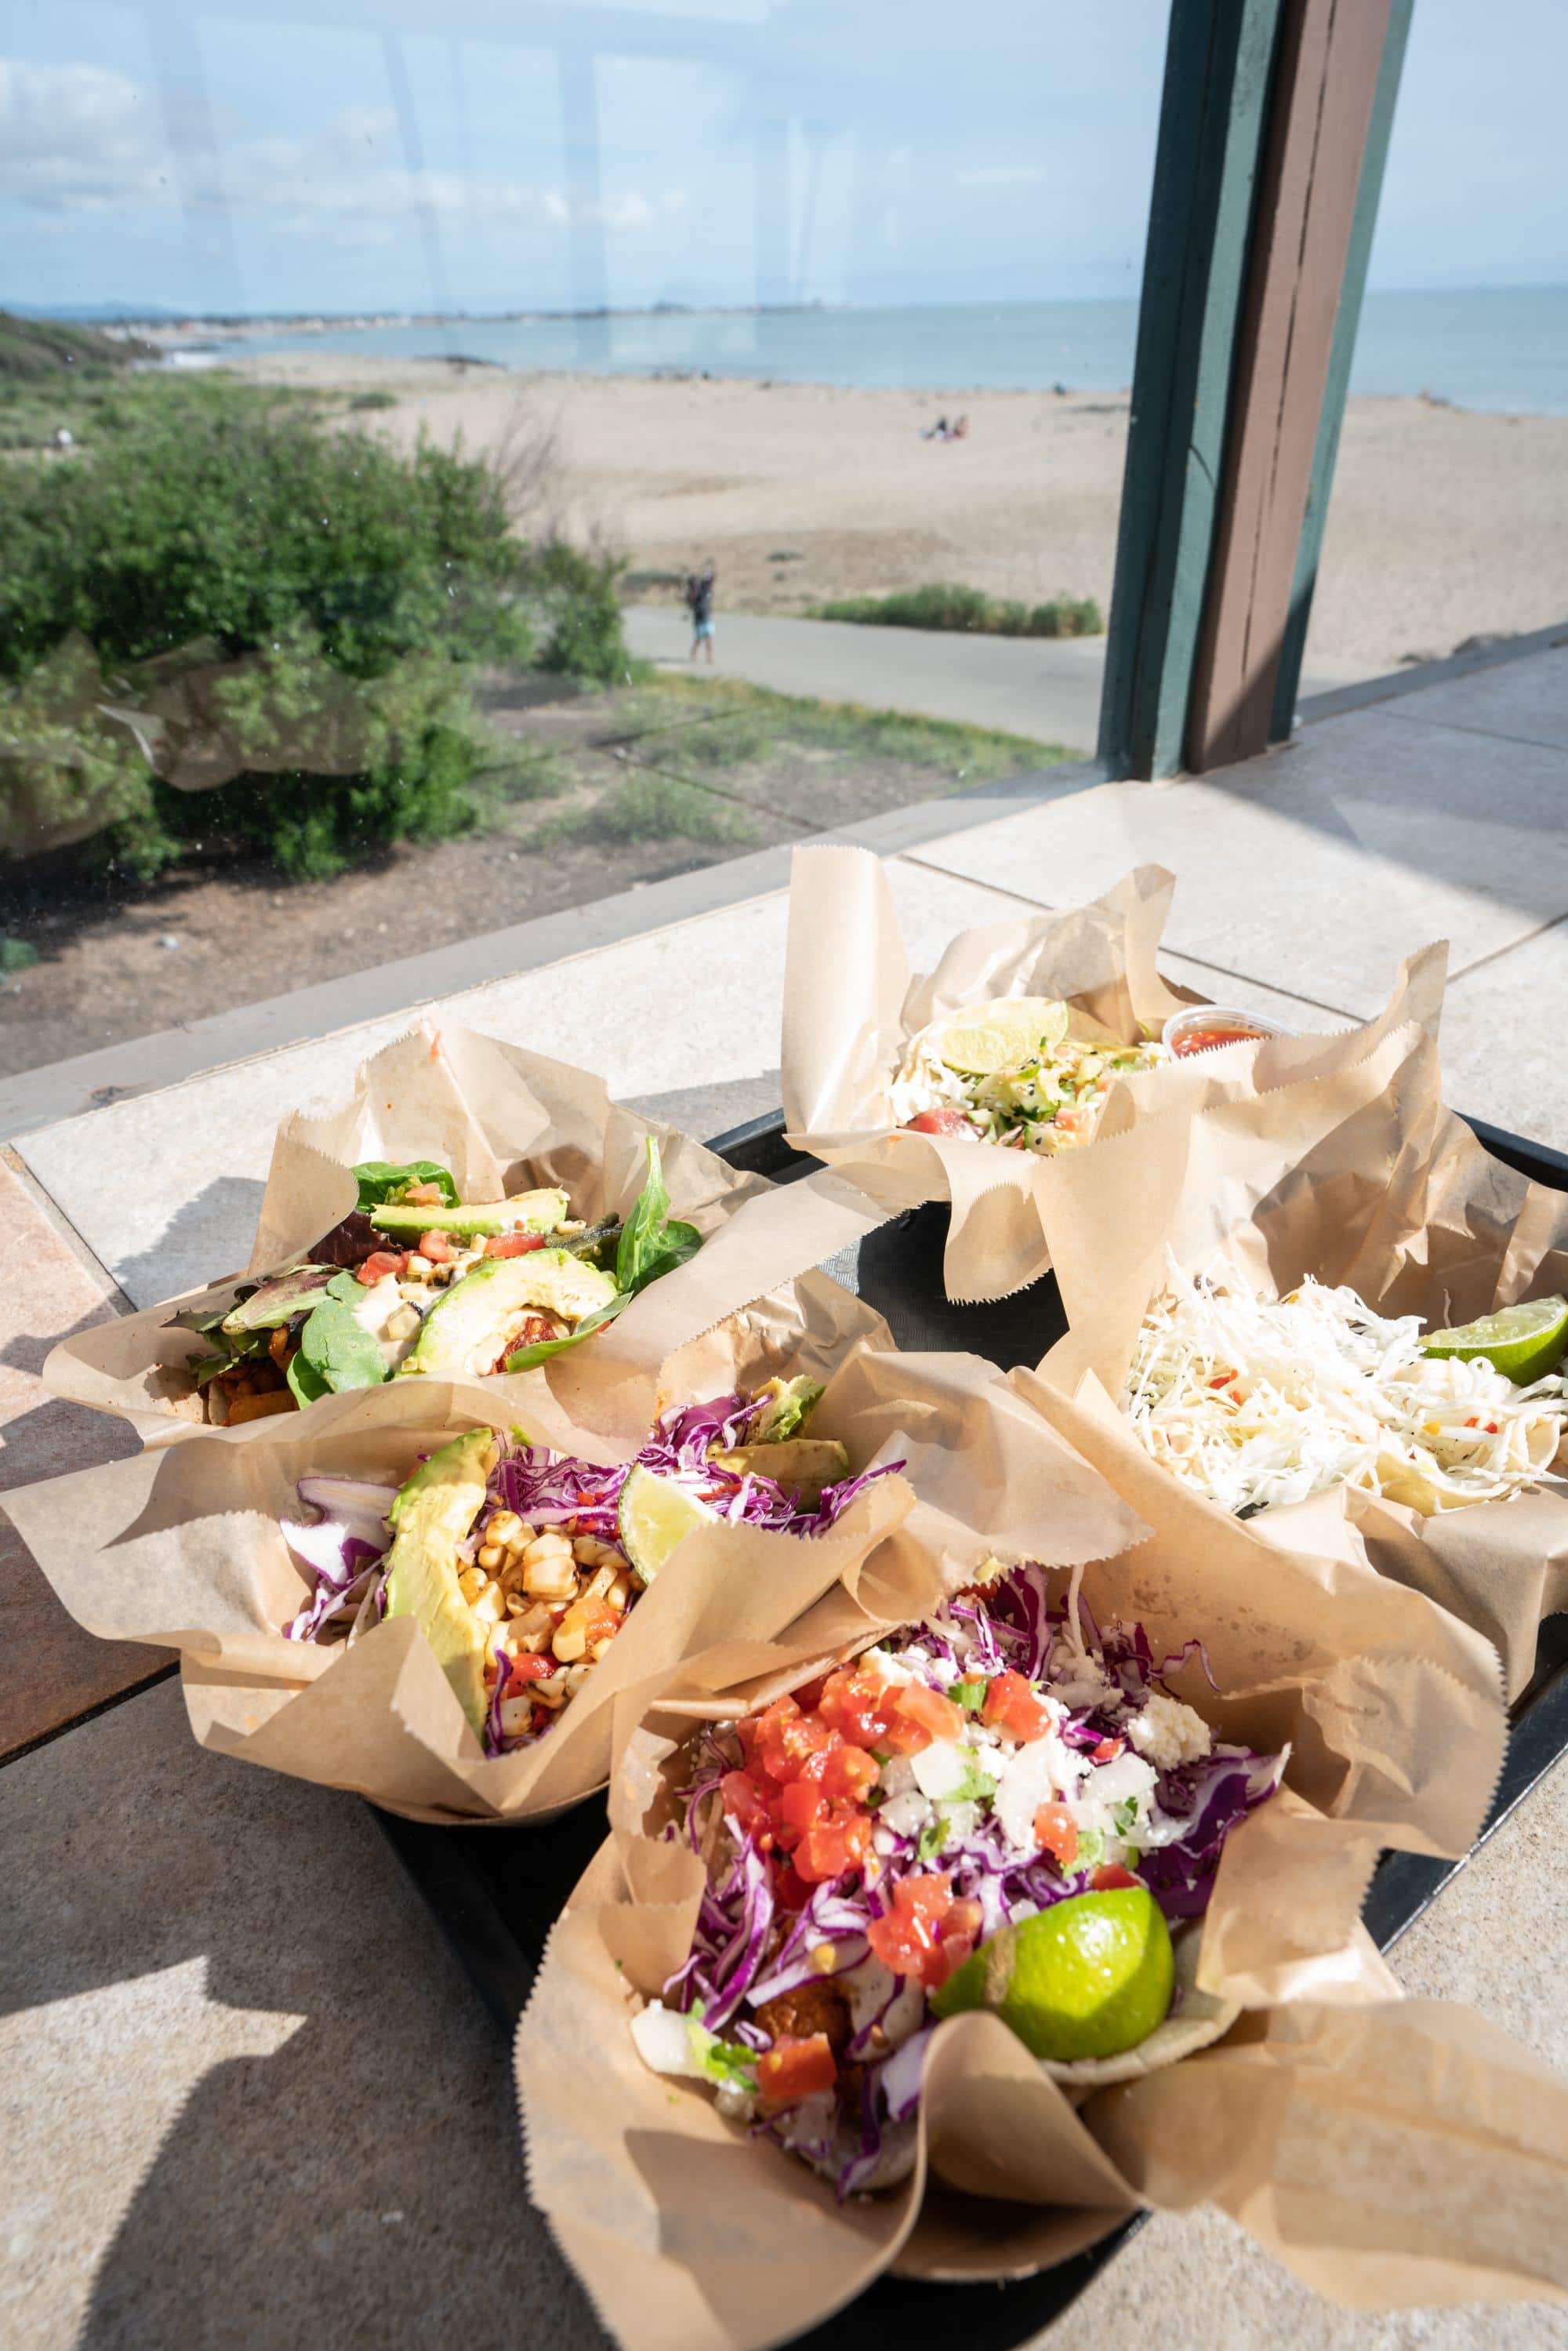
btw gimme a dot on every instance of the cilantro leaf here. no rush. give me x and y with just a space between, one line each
976 1787
970 1695
932 1838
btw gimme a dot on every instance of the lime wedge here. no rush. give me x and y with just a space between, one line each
1005 1034
1523 1342
654 1513
1087 1977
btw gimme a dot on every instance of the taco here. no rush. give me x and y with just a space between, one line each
1004 1807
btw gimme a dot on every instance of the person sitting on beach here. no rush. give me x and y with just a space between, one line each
699 604
937 432
960 431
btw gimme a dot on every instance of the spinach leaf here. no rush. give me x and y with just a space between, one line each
652 1242
335 1346
306 1384
379 1181
542 1350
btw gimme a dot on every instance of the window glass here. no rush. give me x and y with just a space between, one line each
462 463
1448 518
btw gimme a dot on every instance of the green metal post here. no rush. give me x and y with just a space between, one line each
1369 191
1218 72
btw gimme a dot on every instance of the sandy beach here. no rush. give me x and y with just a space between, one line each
1446 524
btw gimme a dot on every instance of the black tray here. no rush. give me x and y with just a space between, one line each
496 1917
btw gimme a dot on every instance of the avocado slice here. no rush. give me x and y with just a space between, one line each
478 1318
781 1408
430 1515
525 1212
801 1465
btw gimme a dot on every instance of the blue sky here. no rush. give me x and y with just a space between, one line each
500 154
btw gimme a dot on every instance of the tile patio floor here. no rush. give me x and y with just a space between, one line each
249 2098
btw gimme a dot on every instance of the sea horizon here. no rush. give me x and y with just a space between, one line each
1496 349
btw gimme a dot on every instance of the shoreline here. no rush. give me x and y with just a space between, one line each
1445 523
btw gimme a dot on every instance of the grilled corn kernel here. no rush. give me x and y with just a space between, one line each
548 1545
471 1583
569 1644
573 1680
601 1648
418 1268
505 1527
585 1550
491 1606
599 1583
618 1593
550 1577
489 1557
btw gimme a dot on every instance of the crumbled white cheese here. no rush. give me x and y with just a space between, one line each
1168 1733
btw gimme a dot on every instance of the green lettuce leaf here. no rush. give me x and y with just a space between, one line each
380 1182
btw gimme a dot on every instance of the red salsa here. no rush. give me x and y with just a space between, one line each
1225 1032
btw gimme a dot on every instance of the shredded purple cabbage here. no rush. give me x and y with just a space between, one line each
345 1547
748 1950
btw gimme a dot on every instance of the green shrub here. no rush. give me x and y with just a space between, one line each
947 606
581 600
225 595
362 400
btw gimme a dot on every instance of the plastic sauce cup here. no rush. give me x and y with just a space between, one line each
1205 1028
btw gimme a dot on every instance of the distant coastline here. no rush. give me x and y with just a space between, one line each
1501 350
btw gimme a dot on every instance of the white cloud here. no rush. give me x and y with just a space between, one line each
1002 175
78 138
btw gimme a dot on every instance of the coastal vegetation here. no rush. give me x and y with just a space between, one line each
943 605
227 627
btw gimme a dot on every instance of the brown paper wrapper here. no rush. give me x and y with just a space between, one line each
1358 1175
688 2233
852 1006
182 1545
501 1118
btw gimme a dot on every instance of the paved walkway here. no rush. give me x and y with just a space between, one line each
1045 688
223 2130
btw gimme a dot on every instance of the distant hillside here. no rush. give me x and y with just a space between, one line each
42 347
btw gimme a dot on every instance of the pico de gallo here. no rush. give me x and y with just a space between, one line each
866 1835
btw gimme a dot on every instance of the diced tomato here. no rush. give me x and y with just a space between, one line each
380 1263
423 1195
1112 1873
938 1121
907 1937
958 1934
918 1715
530 1668
799 1807
849 1773
808 1697
793 2070
1107 1750
787 1739
790 1888
436 1247
1012 1704
1056 1833
854 1703
841 1840
512 1244
742 1797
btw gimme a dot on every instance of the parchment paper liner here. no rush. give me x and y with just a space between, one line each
1359 1176
690 2236
850 1007
500 1117
180 1546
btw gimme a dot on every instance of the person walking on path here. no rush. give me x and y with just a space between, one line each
699 604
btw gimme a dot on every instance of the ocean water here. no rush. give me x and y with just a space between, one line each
1499 349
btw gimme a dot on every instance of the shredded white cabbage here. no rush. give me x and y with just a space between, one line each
1259 1401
